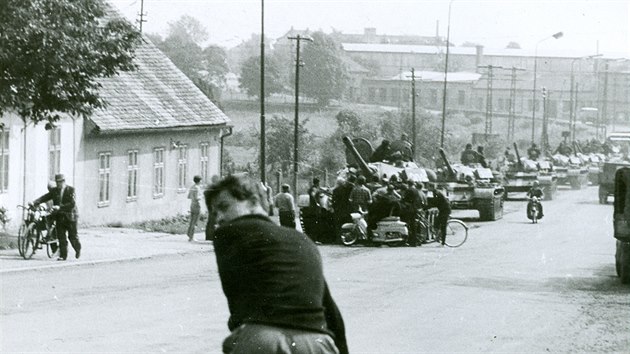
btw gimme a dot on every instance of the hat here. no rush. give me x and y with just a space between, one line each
60 177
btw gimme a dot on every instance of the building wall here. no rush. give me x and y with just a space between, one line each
146 206
28 170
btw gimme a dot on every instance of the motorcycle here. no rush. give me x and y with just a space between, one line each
389 230
533 210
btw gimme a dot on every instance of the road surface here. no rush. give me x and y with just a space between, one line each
512 287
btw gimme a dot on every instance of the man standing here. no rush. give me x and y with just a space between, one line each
533 152
360 197
194 194
272 278
468 156
65 216
443 205
286 208
313 193
341 203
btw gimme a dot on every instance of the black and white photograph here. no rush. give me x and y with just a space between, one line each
314 176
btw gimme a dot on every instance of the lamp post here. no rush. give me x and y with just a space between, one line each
555 36
448 38
573 95
298 63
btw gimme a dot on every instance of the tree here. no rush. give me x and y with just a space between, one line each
206 67
324 76
250 77
513 45
53 52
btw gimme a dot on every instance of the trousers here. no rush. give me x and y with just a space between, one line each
70 228
252 338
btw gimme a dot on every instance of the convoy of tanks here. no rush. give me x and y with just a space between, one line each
477 186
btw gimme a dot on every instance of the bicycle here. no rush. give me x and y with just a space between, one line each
37 229
456 230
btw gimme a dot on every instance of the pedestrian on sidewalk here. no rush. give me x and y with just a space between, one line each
65 215
286 208
194 194
272 278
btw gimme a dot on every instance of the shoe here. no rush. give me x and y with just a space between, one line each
77 254
61 259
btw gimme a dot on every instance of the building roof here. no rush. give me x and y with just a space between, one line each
156 95
461 76
432 49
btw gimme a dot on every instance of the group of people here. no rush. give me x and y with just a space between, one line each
472 157
393 197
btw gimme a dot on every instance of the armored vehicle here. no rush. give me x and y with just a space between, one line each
472 187
571 171
519 176
607 178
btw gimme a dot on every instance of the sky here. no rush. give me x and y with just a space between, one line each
587 25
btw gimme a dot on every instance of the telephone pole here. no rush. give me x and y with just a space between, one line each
544 140
512 117
263 161
142 15
298 63
490 77
413 113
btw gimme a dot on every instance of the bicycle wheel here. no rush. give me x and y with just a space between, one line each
21 239
52 243
456 233
28 247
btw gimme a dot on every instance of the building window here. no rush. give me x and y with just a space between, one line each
158 172
132 175
461 97
203 161
182 167
54 153
4 161
104 173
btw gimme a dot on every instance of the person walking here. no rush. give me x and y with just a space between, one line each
443 205
272 277
194 194
286 207
65 215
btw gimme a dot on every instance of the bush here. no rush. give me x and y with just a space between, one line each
177 224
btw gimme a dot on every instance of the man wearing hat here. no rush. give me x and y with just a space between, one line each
286 209
65 214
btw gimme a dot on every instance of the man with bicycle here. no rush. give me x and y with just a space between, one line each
443 205
64 214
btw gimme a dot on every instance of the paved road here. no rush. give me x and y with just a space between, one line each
513 287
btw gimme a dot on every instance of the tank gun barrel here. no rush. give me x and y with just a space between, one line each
451 172
369 174
518 156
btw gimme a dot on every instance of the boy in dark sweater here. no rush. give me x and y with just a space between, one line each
272 278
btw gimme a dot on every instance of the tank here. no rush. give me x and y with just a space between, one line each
472 187
571 170
518 177
359 150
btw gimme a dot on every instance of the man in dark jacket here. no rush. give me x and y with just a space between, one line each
65 215
272 278
443 205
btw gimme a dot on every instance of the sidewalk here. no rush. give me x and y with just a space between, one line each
102 245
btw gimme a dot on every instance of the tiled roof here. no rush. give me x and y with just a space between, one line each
155 95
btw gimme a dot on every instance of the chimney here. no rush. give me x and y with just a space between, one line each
369 33
478 57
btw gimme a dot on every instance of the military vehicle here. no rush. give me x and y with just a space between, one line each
519 176
472 188
571 171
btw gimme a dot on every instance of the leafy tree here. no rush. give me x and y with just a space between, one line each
206 67
324 76
53 52
250 77
513 45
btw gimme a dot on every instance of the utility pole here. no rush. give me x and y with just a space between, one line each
263 161
142 15
575 110
512 117
298 63
604 115
413 113
490 77
544 140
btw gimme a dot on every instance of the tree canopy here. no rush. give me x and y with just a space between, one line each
183 45
250 76
52 53
324 75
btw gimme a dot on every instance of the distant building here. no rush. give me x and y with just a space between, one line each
130 162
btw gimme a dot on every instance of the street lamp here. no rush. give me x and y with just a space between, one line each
263 162
555 36
573 95
448 38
